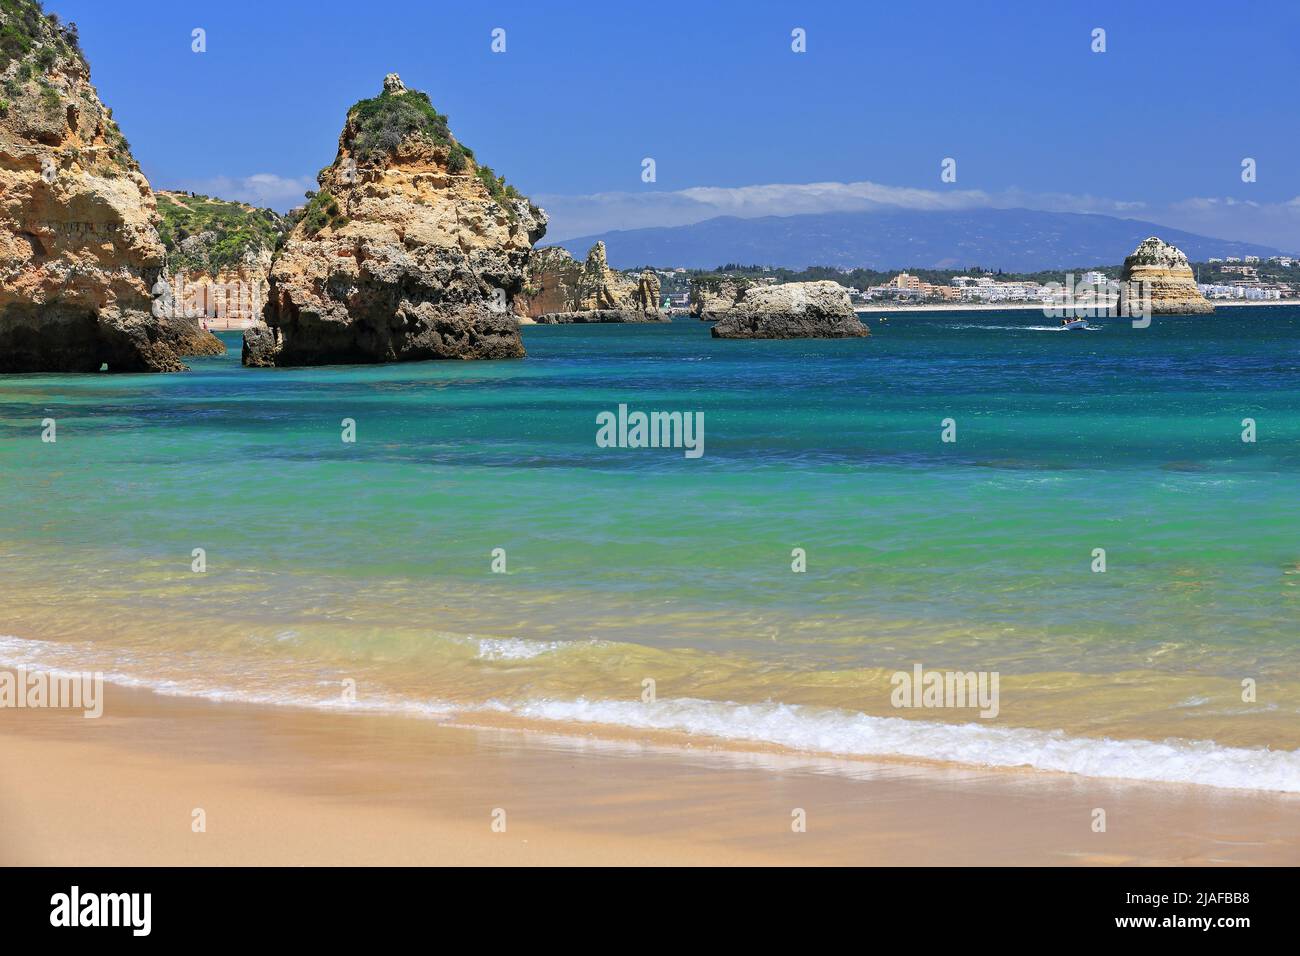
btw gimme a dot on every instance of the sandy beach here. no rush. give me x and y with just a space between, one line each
294 786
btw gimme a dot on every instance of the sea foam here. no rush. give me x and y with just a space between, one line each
844 733
792 726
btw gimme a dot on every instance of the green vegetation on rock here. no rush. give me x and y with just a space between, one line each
29 35
221 234
497 187
322 210
382 123
34 46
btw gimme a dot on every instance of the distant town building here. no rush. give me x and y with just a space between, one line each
1248 293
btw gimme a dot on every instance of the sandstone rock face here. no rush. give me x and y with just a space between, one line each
551 285
409 251
712 297
559 285
646 296
1159 273
227 297
218 257
795 310
79 252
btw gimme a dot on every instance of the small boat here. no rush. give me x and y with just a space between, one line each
1073 324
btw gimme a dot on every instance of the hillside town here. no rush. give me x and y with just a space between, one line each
1221 279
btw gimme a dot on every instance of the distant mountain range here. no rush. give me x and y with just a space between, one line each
1015 240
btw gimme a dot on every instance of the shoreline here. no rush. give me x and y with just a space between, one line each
291 786
1031 307
227 325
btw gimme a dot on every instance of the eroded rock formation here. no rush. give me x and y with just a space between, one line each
561 290
410 250
713 296
79 252
1158 274
551 284
794 310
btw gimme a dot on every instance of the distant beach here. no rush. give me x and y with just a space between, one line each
1024 306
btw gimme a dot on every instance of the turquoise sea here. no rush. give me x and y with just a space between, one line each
329 562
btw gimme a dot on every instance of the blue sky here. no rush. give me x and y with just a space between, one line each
1154 128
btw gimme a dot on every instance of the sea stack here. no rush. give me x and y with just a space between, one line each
80 257
794 310
562 290
409 250
1159 273
713 296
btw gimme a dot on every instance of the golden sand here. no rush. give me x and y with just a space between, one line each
290 786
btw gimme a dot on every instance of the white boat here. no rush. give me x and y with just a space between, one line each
1074 324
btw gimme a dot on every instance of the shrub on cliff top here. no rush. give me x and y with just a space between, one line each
25 29
234 228
384 121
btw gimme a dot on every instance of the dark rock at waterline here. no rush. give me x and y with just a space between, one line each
795 310
600 315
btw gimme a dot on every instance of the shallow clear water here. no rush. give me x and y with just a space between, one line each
372 560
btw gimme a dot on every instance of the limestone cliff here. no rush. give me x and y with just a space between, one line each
558 285
409 250
551 284
794 310
713 296
79 252
218 256
1159 273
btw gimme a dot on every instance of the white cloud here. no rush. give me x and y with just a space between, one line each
259 189
1276 224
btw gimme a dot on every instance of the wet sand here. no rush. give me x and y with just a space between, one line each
295 786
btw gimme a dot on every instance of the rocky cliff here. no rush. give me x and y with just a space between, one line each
713 296
410 250
558 285
218 256
794 310
1159 274
551 284
79 253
